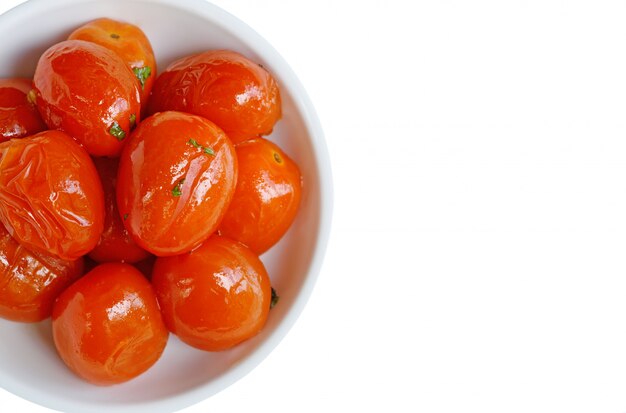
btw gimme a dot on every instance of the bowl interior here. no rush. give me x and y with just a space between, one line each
29 366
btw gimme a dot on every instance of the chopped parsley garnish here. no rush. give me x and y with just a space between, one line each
125 217
205 149
133 121
142 74
117 131
277 158
275 298
115 35
177 191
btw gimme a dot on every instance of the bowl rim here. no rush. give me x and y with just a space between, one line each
210 12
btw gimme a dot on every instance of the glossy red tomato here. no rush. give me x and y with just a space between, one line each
224 87
115 243
29 282
176 178
51 198
214 297
238 137
129 42
267 195
107 326
88 91
18 116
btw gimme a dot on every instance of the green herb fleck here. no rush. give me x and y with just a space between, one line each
142 74
193 143
125 217
177 191
277 158
117 131
206 149
115 35
133 121
275 298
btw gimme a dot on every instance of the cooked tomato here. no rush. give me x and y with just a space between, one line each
238 137
88 91
215 296
107 326
18 115
51 198
29 281
129 42
267 195
115 243
224 87
176 178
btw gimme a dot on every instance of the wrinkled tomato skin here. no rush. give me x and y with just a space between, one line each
30 282
51 199
267 195
116 244
172 193
223 86
18 116
87 90
129 42
214 297
107 326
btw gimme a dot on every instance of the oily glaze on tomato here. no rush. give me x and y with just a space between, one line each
115 243
238 137
107 326
267 195
224 87
88 91
176 178
214 297
51 198
30 282
129 42
18 116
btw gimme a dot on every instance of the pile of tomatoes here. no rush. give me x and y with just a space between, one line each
134 205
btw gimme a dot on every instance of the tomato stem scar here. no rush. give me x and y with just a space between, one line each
32 96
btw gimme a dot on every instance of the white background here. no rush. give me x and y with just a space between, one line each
477 259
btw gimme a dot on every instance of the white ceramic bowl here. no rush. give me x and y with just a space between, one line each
29 365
